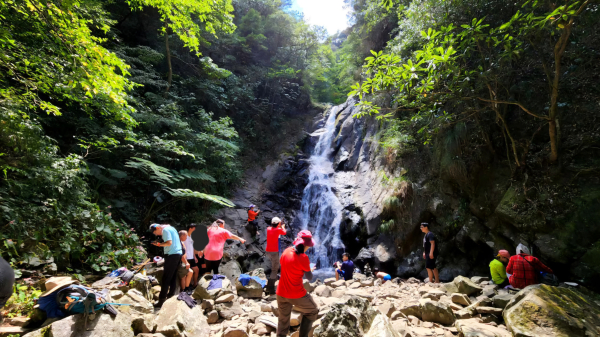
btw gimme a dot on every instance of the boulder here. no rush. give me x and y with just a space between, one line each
143 324
235 329
295 318
322 291
501 300
367 282
473 328
225 298
543 310
460 299
350 319
479 279
381 327
107 283
212 317
251 290
143 285
309 287
103 325
466 286
386 308
449 288
329 281
489 310
137 302
229 310
338 284
434 294
176 319
202 293
360 293
412 308
116 294
437 312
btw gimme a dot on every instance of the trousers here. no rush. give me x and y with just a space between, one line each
169 279
274 257
306 305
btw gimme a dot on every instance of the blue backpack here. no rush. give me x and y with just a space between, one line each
76 299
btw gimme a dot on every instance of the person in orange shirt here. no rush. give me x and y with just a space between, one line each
252 220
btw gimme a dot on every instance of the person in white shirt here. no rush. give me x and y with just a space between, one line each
192 255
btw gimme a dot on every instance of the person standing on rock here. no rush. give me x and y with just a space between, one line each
290 292
172 251
498 268
252 220
213 252
430 253
524 269
276 229
346 268
190 254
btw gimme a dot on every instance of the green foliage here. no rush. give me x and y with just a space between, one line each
21 301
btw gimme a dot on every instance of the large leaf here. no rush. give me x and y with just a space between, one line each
185 193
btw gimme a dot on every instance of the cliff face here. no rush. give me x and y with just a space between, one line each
385 196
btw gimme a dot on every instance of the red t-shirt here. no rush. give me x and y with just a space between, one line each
252 215
273 238
293 267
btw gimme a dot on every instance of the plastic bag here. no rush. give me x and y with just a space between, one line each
521 248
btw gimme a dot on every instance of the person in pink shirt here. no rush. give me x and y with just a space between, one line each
213 252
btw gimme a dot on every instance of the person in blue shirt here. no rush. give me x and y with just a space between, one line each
172 254
346 268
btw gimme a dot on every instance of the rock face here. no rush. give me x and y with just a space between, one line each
543 310
175 318
102 326
350 319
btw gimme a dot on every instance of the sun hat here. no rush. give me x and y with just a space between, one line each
304 238
275 220
504 253
56 283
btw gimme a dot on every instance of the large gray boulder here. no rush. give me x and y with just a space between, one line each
143 285
543 310
350 319
202 293
103 325
437 312
137 303
466 286
251 290
176 319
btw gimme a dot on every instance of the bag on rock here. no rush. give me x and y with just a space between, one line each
549 279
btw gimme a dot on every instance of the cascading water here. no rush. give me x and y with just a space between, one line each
321 211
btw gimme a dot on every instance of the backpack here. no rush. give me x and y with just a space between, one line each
76 299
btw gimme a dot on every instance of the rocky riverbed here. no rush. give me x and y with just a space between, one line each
360 307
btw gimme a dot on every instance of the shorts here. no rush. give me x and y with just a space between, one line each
192 263
430 263
339 271
387 278
182 271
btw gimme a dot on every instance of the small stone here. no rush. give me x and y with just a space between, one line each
329 281
460 299
208 304
225 298
489 310
338 284
322 291
479 279
212 317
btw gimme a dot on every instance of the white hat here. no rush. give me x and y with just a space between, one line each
275 220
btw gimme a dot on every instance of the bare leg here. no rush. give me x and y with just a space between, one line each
430 274
188 279
182 283
195 277
337 275
437 275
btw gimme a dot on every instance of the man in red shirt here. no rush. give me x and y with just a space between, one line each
524 269
252 220
276 229
290 291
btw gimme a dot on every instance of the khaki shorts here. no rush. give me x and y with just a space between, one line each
182 271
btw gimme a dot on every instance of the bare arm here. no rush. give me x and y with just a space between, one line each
235 237
163 244
431 250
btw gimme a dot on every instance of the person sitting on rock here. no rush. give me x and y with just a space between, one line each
430 253
213 252
346 268
524 269
290 292
252 222
172 255
498 268
383 276
185 271
276 229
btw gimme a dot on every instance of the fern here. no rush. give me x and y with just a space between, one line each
190 174
186 194
156 173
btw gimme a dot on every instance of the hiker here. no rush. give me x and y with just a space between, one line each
7 279
172 251
498 268
383 276
201 263
252 219
185 271
430 253
213 252
346 268
276 229
290 291
524 268
191 253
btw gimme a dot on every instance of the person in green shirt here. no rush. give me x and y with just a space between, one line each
498 268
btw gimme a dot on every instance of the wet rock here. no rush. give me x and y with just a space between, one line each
473 328
350 319
175 318
542 310
466 286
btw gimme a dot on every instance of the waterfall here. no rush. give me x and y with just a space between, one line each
321 211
